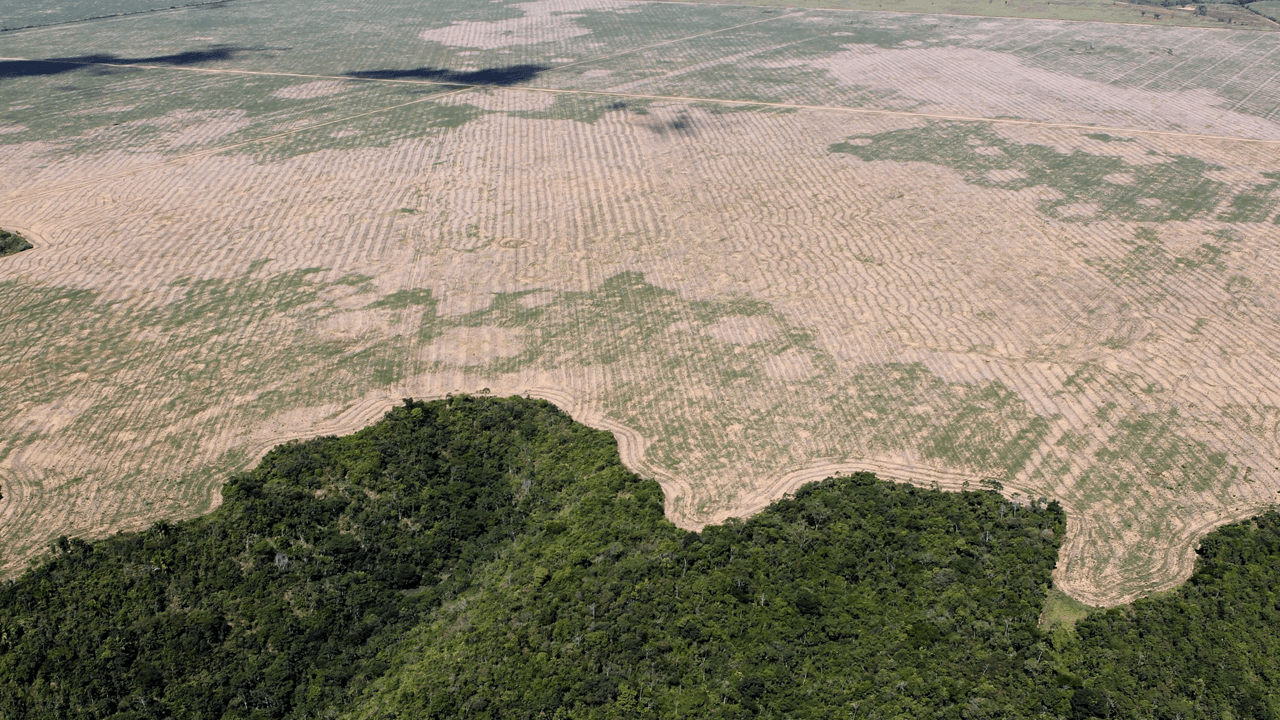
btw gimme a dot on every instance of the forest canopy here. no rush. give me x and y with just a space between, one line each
491 558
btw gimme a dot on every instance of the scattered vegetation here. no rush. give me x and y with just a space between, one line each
1088 186
1255 204
12 243
1104 137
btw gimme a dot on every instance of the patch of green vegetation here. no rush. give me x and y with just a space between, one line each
377 130
1173 190
1074 441
158 371
982 426
1255 204
1149 266
1062 609
1103 137
1077 10
403 299
1260 421
360 281
1153 448
1239 288
92 108
1269 9
44 12
12 243
643 331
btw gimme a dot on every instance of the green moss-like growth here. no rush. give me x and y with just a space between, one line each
1062 609
12 243
1104 137
1255 204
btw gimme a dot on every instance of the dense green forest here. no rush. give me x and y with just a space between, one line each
11 243
490 558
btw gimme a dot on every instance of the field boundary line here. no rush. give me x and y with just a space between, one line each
682 98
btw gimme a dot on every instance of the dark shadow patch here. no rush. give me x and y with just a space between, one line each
682 124
93 63
501 76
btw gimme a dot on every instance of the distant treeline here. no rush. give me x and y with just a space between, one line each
11 243
490 558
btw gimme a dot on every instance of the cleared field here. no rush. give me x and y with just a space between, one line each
759 245
40 13
1109 11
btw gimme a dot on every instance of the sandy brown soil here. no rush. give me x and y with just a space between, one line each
801 312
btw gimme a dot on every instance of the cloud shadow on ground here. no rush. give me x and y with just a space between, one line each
60 65
501 76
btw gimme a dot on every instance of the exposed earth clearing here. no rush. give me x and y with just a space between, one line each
759 246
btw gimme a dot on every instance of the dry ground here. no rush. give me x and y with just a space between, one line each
1109 11
760 247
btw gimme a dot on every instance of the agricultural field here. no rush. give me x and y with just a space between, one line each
761 245
1269 9
1151 12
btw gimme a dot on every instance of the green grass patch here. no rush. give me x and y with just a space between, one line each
1255 204
1103 137
1161 192
1269 9
1062 609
